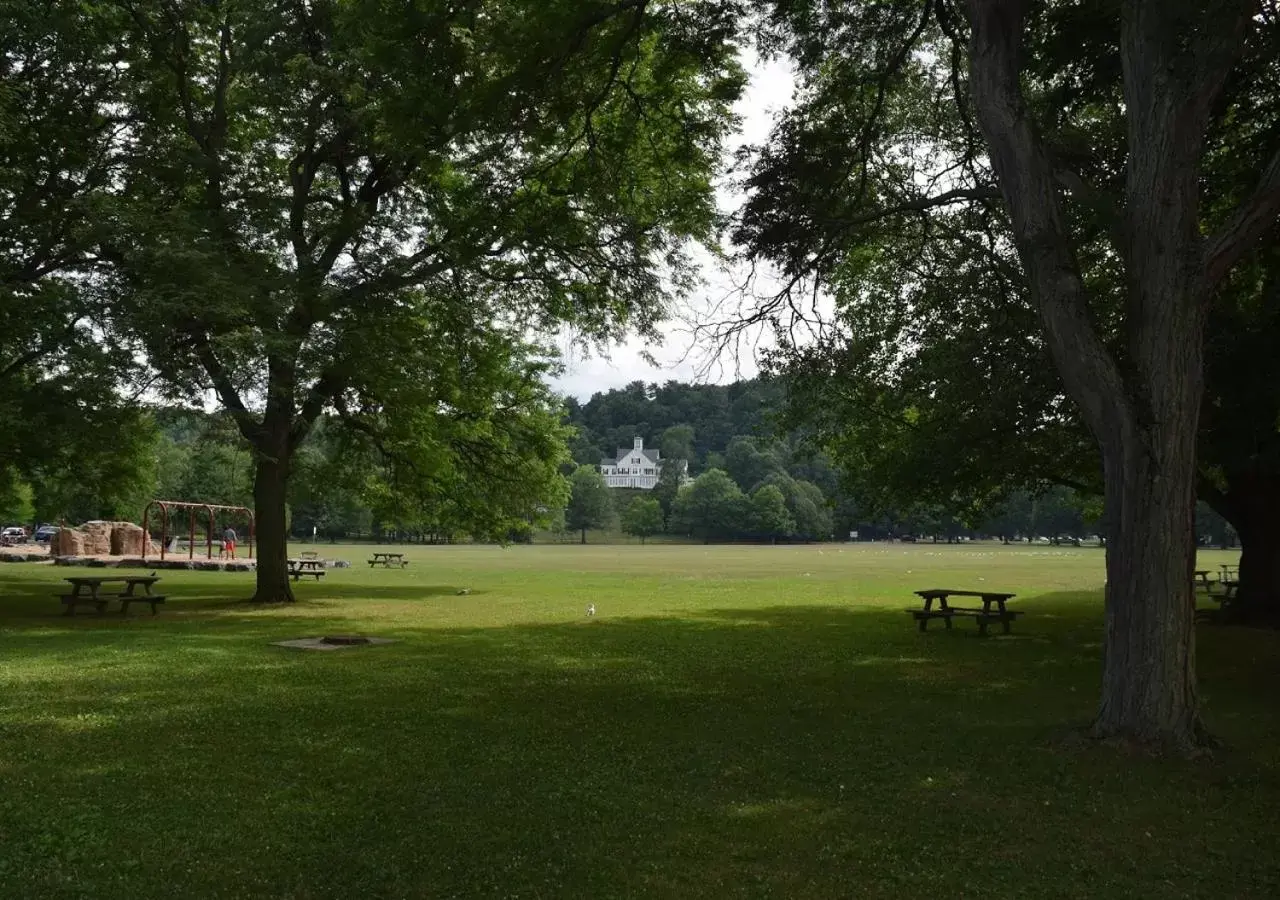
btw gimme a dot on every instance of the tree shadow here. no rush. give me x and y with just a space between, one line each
408 591
813 751
27 598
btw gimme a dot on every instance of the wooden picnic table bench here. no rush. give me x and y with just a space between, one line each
308 554
945 611
87 591
1201 579
1230 586
313 567
388 560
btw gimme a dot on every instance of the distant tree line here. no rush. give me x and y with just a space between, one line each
760 485
745 458
341 488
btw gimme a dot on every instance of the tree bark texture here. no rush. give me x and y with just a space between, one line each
277 438
1148 679
270 484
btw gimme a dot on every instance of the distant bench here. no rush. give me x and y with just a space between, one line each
307 566
945 611
388 560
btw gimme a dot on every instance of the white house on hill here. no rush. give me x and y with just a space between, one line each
633 468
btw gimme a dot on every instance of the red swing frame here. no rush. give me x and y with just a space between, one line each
209 508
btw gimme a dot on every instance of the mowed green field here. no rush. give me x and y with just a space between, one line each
734 722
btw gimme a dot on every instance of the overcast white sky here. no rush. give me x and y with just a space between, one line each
768 91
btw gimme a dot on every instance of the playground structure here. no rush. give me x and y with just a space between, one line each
210 508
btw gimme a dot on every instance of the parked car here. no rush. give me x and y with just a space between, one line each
14 534
44 534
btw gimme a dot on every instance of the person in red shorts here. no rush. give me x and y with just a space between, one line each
229 542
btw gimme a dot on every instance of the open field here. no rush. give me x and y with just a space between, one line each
734 722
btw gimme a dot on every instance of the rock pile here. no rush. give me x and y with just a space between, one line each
99 538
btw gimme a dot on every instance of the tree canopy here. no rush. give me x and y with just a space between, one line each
643 518
590 503
71 440
338 209
947 391
713 507
1050 153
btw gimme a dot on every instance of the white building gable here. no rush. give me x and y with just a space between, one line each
633 468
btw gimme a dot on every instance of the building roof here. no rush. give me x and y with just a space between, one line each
650 455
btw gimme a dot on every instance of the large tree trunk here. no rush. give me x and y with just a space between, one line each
1250 505
1258 597
269 487
1143 405
1148 680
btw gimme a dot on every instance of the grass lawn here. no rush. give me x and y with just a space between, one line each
734 722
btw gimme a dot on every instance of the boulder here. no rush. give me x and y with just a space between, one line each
67 542
97 538
126 539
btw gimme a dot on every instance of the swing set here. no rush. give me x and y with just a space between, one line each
210 509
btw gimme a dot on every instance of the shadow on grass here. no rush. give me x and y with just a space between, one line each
27 597
785 751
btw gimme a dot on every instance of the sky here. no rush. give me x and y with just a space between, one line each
679 358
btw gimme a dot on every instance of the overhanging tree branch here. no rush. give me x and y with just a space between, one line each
922 204
226 391
1217 499
1027 180
322 392
1252 219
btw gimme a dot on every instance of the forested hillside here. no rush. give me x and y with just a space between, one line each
715 414
739 429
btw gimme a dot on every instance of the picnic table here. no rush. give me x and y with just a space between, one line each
87 591
1201 579
1230 586
945 611
308 554
306 566
388 560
